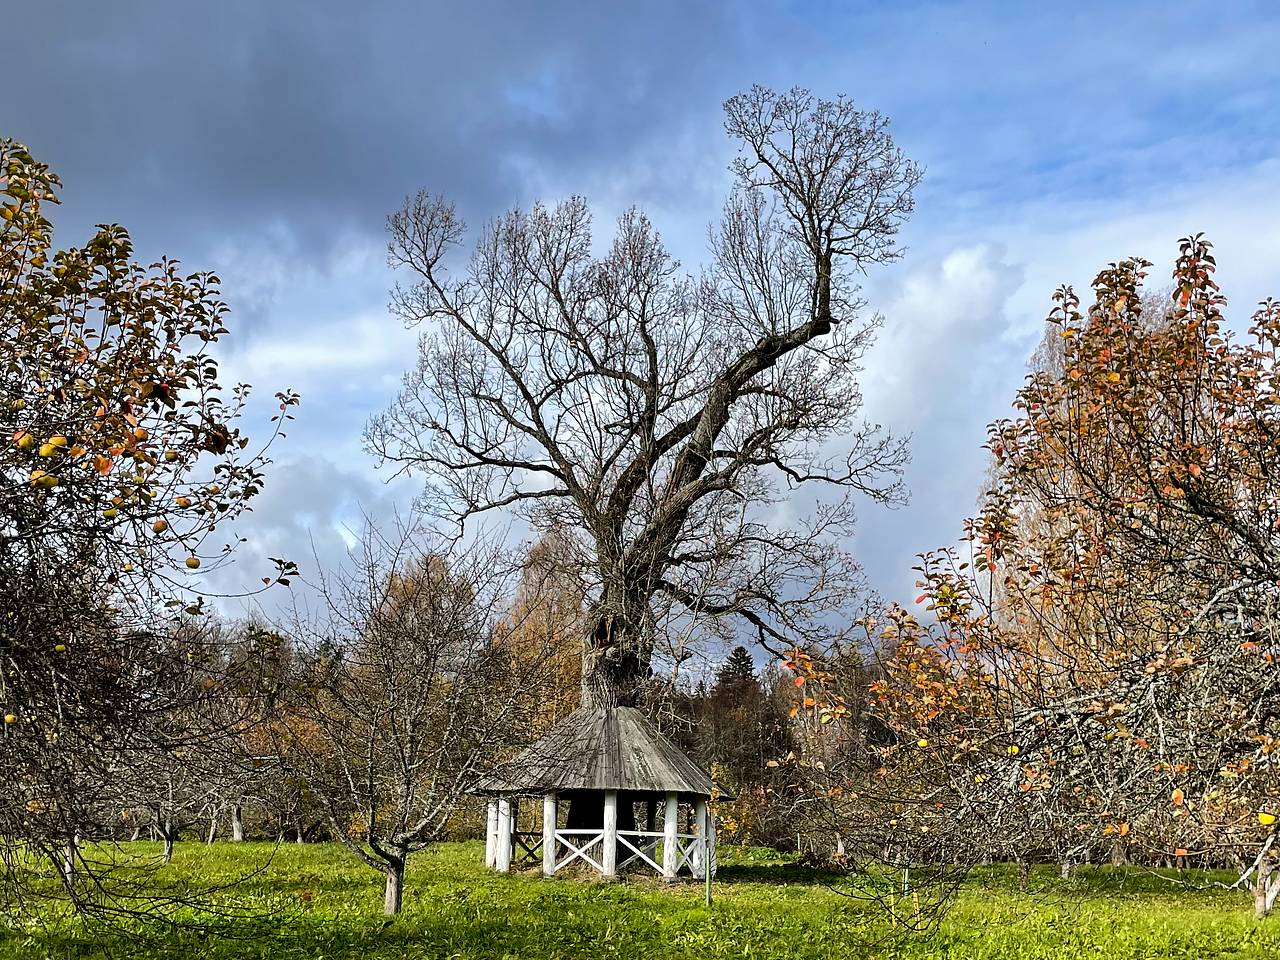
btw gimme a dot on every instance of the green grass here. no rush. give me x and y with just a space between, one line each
318 901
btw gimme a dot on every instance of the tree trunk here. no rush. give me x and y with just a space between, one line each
1119 853
1024 874
213 827
614 665
167 833
237 823
1064 870
393 898
1266 887
68 865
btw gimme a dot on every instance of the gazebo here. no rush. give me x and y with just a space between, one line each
615 770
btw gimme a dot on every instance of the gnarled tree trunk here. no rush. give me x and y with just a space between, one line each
393 896
1266 888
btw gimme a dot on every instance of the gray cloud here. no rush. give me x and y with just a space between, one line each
269 140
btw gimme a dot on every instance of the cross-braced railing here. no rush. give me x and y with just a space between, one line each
608 850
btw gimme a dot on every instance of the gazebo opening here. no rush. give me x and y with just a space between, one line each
614 794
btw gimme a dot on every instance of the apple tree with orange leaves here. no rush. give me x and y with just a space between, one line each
1093 674
120 460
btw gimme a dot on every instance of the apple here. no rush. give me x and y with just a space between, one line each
160 526
193 563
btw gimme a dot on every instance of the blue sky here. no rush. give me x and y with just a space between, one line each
269 140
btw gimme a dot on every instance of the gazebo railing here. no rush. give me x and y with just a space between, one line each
526 846
606 849
641 845
645 848
579 842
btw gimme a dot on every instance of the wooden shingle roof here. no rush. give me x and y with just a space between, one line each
617 749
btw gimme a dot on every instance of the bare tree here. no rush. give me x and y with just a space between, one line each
406 699
656 416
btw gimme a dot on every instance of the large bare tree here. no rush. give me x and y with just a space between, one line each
665 419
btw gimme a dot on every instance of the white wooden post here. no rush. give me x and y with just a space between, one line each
491 835
609 855
670 827
549 834
502 854
711 841
700 845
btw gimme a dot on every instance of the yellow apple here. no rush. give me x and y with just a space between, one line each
193 563
160 526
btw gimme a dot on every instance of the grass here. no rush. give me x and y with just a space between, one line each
318 901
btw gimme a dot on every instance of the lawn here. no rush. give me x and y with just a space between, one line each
317 901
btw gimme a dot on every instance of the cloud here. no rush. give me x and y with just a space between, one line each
947 362
269 141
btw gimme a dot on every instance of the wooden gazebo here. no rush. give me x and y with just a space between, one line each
615 771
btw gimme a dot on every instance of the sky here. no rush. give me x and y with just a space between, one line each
267 140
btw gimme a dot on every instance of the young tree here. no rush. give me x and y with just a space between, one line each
406 700
655 417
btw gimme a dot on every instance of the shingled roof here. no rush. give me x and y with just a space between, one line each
617 749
